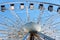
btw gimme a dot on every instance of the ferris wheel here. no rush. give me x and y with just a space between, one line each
29 20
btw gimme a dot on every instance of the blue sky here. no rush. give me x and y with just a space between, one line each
33 13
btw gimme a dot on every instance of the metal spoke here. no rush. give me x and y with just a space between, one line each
52 30
28 16
39 17
7 19
5 25
49 20
9 28
49 24
3 37
56 24
3 32
18 22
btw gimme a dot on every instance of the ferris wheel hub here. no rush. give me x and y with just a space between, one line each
31 26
